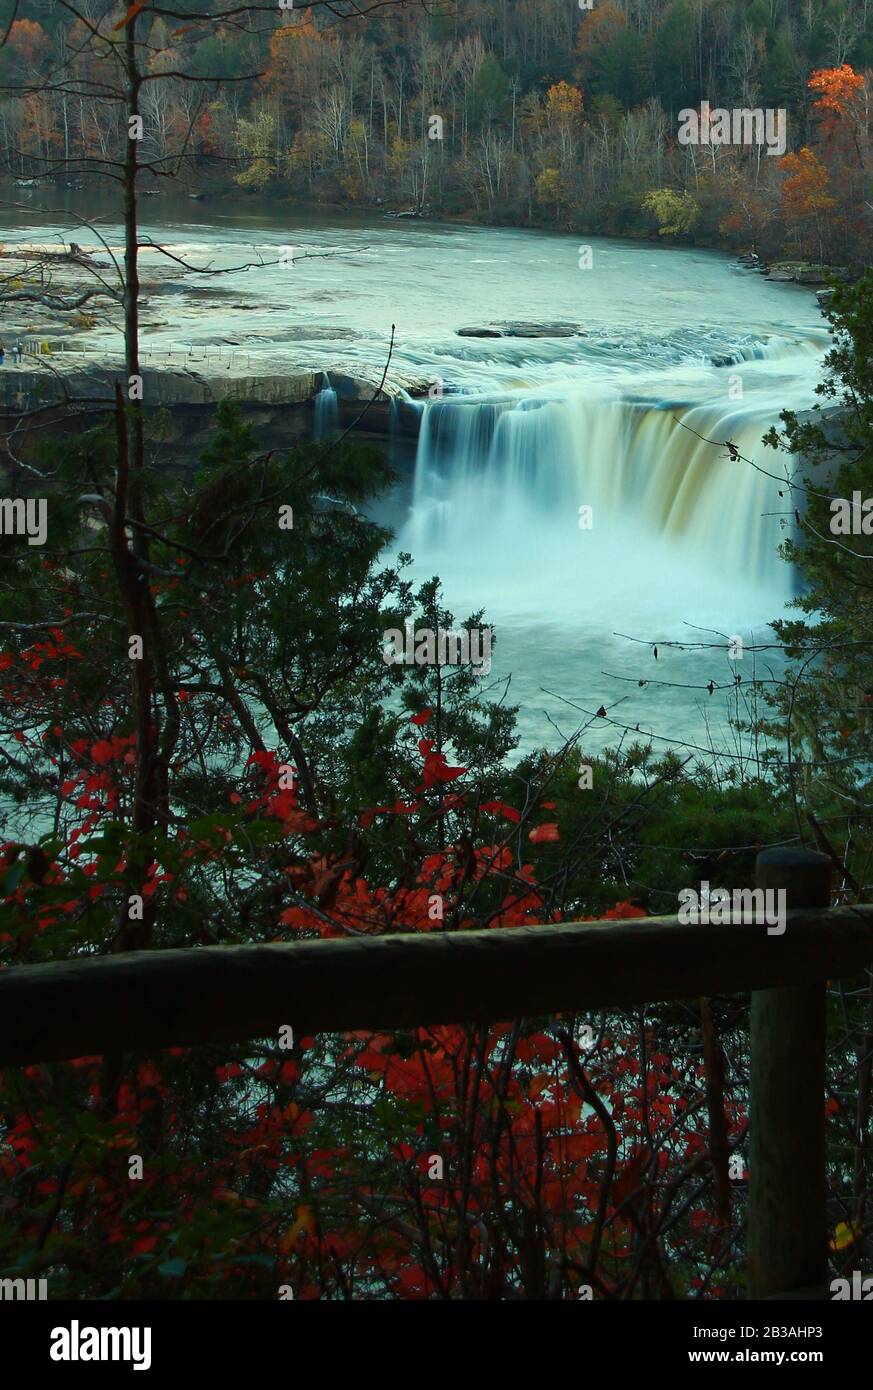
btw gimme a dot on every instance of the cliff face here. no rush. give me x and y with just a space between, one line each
71 396
40 381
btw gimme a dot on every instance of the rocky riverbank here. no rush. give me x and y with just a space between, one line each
798 272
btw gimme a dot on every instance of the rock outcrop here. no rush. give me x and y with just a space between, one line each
524 330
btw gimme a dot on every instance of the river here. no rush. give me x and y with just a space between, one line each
676 347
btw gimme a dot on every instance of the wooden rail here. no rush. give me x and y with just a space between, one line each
141 1001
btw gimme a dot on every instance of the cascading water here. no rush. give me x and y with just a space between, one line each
505 475
574 513
508 478
326 410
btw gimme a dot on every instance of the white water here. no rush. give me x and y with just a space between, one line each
530 430
507 477
325 411
681 537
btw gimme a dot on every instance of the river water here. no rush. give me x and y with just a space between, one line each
576 488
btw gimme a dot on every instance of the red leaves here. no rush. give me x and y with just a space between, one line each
298 821
436 769
400 808
153 880
544 834
625 909
263 759
500 808
106 750
629 1179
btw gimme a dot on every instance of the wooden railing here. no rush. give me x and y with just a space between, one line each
146 1000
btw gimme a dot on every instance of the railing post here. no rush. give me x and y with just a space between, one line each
787 1237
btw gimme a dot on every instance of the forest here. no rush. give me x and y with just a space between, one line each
547 113
210 762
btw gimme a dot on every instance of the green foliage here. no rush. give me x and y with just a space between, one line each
674 58
827 700
489 92
676 213
624 70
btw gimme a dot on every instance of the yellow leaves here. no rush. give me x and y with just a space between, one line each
304 1224
676 212
845 1235
547 188
564 102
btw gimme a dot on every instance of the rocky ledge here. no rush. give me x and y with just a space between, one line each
524 330
43 380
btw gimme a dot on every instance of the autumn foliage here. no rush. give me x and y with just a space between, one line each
535 1158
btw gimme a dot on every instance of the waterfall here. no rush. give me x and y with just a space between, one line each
326 410
504 478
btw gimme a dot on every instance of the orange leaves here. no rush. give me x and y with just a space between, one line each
28 40
564 102
132 13
838 89
805 191
842 102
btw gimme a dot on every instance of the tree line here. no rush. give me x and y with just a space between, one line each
537 112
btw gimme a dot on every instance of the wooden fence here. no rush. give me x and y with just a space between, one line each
141 1001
